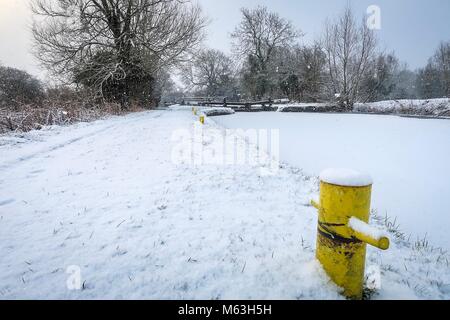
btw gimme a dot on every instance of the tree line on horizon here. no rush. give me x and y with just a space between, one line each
126 51
345 65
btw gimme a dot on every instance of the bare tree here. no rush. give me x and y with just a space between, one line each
210 71
381 78
116 47
442 61
349 49
312 73
433 81
256 38
405 84
301 72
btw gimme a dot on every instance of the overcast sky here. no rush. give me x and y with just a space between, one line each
411 28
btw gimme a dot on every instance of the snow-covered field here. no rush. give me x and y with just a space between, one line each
106 201
408 159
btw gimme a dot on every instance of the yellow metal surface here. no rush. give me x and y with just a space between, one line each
202 119
381 243
340 249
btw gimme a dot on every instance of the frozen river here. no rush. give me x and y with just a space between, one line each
408 158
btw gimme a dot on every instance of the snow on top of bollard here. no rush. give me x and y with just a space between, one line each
346 178
364 228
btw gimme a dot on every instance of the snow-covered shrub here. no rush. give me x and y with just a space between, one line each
281 101
217 111
309 107
432 107
62 106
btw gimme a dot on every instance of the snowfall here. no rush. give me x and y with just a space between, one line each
123 205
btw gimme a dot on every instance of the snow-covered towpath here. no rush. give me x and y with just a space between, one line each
107 200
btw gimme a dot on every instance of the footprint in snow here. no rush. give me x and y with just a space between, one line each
162 207
7 201
37 171
120 252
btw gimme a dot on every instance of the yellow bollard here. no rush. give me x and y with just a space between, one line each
343 231
202 119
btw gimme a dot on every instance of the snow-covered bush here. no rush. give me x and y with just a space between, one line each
62 106
217 111
309 107
432 107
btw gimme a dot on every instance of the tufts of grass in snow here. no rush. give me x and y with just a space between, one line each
415 265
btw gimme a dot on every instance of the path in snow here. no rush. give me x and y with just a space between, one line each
106 197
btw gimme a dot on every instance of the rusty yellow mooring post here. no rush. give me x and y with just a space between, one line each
343 231
202 119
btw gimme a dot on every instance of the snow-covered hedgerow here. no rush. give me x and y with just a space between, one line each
432 107
309 107
217 111
30 117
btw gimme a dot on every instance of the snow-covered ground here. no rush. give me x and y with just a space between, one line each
107 202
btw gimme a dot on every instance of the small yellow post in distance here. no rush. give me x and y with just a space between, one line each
340 249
